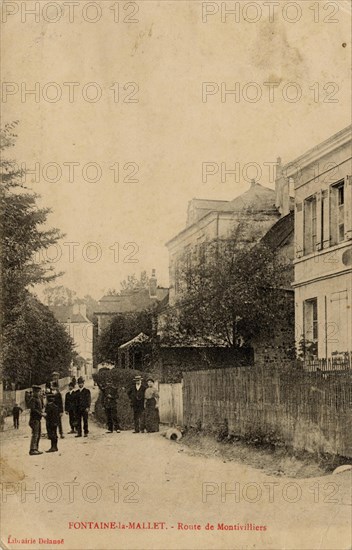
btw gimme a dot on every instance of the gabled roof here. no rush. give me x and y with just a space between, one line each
139 339
129 302
64 314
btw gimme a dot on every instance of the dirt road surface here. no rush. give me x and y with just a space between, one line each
132 479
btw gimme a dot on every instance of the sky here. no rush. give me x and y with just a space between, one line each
132 98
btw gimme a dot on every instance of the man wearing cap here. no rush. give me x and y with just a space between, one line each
36 413
70 407
136 396
52 421
83 401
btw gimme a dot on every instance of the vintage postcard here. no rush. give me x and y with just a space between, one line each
176 275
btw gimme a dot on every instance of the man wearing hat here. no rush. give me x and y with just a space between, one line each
35 417
70 406
52 421
83 401
136 396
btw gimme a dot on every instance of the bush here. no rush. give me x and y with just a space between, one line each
121 379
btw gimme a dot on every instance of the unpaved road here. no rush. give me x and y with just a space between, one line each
136 478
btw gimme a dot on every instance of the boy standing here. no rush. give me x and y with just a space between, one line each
16 411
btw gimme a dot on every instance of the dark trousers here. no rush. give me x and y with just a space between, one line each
139 419
16 419
52 435
112 419
36 432
82 415
60 426
72 420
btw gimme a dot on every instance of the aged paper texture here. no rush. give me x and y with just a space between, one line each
196 160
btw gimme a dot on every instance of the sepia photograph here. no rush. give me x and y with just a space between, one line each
176 275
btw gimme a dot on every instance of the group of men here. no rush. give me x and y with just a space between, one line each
50 407
77 405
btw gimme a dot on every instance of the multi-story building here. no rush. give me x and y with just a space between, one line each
251 214
323 248
78 326
129 301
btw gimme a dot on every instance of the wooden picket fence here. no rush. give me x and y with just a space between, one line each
310 411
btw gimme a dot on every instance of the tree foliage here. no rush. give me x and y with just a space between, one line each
228 296
120 330
59 296
131 283
34 343
22 232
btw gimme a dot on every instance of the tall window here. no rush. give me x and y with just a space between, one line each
311 319
340 213
337 213
310 224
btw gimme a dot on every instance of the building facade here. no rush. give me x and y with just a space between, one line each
251 215
130 301
323 248
74 319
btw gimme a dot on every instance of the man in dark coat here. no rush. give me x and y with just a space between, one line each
70 407
83 401
16 415
52 417
36 413
136 396
110 405
60 406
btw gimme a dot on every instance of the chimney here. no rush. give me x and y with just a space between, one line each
282 199
153 285
83 309
75 309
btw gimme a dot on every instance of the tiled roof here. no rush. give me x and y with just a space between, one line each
63 313
257 199
129 303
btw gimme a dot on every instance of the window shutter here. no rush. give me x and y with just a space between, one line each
348 207
320 229
299 230
333 215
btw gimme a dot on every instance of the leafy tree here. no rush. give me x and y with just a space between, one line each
33 342
230 295
23 235
59 296
130 284
120 330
